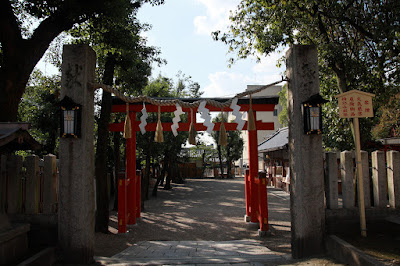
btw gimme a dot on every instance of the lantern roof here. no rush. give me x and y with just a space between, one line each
315 99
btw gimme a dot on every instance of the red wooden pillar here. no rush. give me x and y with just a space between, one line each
122 203
138 193
263 202
253 167
247 195
131 173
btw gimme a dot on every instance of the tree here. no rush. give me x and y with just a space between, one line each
122 55
39 106
215 135
168 151
356 40
22 47
232 151
283 115
389 123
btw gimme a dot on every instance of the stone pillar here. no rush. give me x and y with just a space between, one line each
305 156
331 181
393 175
366 179
76 215
32 184
347 170
49 184
379 179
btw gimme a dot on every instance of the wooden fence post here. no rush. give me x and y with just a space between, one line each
3 183
393 174
14 198
379 179
32 190
50 184
347 172
366 179
331 181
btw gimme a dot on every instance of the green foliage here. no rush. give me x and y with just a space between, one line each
389 123
337 134
165 88
234 148
283 115
357 43
28 27
39 106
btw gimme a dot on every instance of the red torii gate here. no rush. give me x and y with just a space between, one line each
129 186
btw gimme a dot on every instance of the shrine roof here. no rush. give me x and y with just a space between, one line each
276 141
15 136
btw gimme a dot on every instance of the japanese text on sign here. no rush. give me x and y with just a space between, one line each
355 105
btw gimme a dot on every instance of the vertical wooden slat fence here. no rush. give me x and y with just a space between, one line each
381 178
28 186
381 183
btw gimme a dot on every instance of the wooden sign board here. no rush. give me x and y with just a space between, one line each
355 103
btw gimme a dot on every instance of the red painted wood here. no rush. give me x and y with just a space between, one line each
130 169
185 126
153 108
122 203
138 194
247 192
253 167
263 202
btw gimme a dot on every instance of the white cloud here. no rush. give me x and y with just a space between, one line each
217 16
267 63
225 84
228 84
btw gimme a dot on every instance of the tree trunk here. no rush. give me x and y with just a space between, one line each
203 166
102 199
19 56
229 169
117 166
169 175
13 79
221 166
160 179
146 177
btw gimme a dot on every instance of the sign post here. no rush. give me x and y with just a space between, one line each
355 104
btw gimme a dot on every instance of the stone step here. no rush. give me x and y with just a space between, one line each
244 252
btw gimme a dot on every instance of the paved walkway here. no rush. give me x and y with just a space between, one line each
202 223
236 252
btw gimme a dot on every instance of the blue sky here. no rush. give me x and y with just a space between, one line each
182 30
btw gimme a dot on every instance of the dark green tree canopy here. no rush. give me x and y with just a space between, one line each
21 46
357 41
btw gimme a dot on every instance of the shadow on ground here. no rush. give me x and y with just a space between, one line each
200 209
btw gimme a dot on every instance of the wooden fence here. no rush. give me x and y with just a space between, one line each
28 186
381 178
